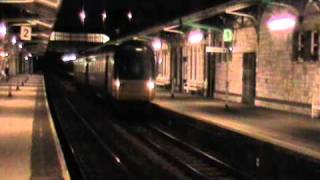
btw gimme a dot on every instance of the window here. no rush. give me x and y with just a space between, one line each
306 46
314 45
301 44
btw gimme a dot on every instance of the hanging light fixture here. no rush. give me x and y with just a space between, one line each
104 16
156 44
282 22
13 40
3 29
20 45
82 16
195 36
129 15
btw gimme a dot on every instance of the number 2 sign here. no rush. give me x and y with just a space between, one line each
25 33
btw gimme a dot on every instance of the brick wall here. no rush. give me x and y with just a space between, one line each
283 83
245 41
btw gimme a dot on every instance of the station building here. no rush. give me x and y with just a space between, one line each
272 61
16 59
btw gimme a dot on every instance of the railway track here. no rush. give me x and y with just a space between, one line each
191 160
93 158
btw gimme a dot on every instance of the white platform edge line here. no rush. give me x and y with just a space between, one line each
63 166
308 152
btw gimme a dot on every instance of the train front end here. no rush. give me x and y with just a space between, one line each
134 73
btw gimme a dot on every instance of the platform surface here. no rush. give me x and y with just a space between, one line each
295 132
29 147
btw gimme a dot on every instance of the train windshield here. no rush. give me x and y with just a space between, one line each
134 62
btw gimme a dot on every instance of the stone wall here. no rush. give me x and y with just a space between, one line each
282 82
245 41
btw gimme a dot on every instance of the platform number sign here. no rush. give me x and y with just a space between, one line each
25 33
227 35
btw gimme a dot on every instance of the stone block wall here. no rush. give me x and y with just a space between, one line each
283 83
245 41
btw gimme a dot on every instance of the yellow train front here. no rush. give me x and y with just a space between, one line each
126 72
133 76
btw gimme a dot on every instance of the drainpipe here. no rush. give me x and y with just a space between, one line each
172 66
227 80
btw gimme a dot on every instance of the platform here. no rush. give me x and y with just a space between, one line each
29 147
295 132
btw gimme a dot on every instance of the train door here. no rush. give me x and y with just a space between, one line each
249 78
211 71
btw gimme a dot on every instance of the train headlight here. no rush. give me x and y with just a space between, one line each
150 85
117 83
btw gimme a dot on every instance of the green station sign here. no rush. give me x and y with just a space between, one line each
227 35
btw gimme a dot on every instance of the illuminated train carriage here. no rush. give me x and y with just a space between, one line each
125 72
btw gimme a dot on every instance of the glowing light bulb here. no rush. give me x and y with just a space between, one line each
129 15
3 29
282 22
195 36
104 16
82 15
13 40
156 44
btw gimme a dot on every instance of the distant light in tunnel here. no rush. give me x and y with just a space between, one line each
69 57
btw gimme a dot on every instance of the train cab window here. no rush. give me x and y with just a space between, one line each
134 62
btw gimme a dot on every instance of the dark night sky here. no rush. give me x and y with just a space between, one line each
145 14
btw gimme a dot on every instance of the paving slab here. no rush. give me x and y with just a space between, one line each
29 147
295 132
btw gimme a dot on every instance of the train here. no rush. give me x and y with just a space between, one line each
125 72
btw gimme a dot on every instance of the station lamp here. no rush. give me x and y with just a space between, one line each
104 16
13 40
195 36
156 44
129 15
3 54
3 29
282 22
20 45
82 16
